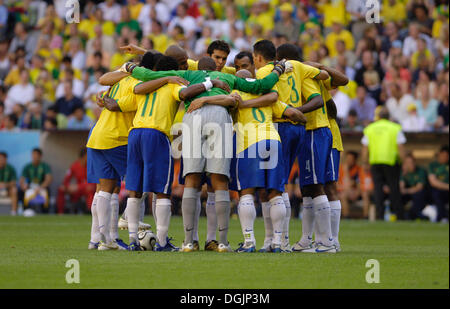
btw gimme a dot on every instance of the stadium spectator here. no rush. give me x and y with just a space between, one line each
79 189
351 123
8 179
398 103
68 103
110 10
383 148
287 25
413 186
364 105
354 184
443 110
22 93
34 117
34 183
410 42
79 120
77 85
427 107
413 122
438 174
368 63
5 63
186 22
339 33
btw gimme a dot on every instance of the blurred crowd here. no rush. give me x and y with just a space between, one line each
49 68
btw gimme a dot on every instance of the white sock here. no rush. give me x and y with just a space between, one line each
267 223
95 233
163 212
133 211
114 228
287 203
142 210
247 216
124 215
335 218
197 215
104 214
322 214
211 217
154 208
307 222
277 215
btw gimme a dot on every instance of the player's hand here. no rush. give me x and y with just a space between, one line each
238 99
99 99
288 67
318 65
196 104
280 66
132 49
221 84
177 80
127 67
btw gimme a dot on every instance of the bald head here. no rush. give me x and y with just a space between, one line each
383 112
207 64
244 74
179 54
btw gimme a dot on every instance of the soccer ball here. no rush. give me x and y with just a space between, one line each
147 240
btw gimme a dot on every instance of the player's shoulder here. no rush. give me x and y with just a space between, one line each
229 70
264 71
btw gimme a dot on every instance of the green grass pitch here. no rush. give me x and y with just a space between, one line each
33 253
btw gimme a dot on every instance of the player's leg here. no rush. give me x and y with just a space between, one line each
104 212
188 209
220 186
331 178
277 215
247 216
13 193
114 227
211 243
268 227
92 178
314 155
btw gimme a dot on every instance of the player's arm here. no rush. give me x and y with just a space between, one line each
133 49
111 78
337 78
222 100
145 74
331 109
194 90
47 181
153 85
436 183
294 115
262 101
314 103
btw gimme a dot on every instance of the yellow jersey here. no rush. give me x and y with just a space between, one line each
111 129
317 118
253 124
155 110
193 66
334 127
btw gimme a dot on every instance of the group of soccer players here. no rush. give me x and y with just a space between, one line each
280 109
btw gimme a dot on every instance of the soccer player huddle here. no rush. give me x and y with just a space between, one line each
242 130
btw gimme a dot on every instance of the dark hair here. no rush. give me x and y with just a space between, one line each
166 63
266 49
353 153
4 154
53 121
244 54
218 44
13 118
156 57
206 63
98 54
83 152
66 59
38 150
444 148
353 113
288 51
147 60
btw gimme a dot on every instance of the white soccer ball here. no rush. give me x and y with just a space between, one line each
147 240
29 212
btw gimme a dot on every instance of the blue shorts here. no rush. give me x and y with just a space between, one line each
314 157
292 136
150 163
333 166
258 169
205 179
106 164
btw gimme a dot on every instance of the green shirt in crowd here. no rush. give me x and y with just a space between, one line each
416 177
36 174
255 86
7 174
439 170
